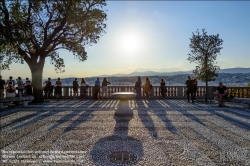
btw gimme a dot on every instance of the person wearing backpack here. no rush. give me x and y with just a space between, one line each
20 86
147 86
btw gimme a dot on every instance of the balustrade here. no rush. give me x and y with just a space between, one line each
172 91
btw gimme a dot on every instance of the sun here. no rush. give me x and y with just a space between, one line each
130 43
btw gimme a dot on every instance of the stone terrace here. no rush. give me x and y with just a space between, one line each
160 132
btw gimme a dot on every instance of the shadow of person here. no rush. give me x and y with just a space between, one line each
119 148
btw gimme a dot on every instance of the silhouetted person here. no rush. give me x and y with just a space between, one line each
138 87
58 89
163 88
84 87
75 88
189 89
97 88
105 84
28 87
147 87
20 86
195 86
47 88
221 92
2 86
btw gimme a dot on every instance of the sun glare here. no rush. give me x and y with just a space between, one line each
130 43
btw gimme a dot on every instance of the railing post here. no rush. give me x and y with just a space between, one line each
66 91
180 91
210 92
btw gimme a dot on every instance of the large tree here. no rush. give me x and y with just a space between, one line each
33 30
204 49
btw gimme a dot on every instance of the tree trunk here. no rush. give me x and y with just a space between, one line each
206 91
36 72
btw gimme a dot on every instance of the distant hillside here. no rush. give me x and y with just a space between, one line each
235 70
153 73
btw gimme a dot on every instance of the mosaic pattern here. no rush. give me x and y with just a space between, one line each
160 132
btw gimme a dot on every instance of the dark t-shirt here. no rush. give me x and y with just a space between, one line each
221 89
163 84
137 84
190 85
75 84
2 82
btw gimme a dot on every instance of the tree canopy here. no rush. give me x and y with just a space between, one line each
204 49
33 30
37 29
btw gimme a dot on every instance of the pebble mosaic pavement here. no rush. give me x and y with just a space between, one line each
160 132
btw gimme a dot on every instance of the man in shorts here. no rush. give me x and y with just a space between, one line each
221 92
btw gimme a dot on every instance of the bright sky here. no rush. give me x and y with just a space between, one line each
154 35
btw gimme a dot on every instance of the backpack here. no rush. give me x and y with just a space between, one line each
151 86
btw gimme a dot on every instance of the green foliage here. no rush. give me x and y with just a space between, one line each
203 51
248 84
34 30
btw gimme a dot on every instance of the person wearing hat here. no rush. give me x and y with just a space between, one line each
2 86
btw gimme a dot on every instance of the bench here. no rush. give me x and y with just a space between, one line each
124 109
25 100
244 101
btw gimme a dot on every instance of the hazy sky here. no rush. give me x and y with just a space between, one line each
154 35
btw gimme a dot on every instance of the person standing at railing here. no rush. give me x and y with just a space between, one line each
138 87
47 88
195 86
11 80
58 89
190 89
75 88
28 87
97 88
147 87
2 86
20 86
105 84
221 92
163 87
84 87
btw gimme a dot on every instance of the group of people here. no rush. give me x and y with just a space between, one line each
11 85
190 88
